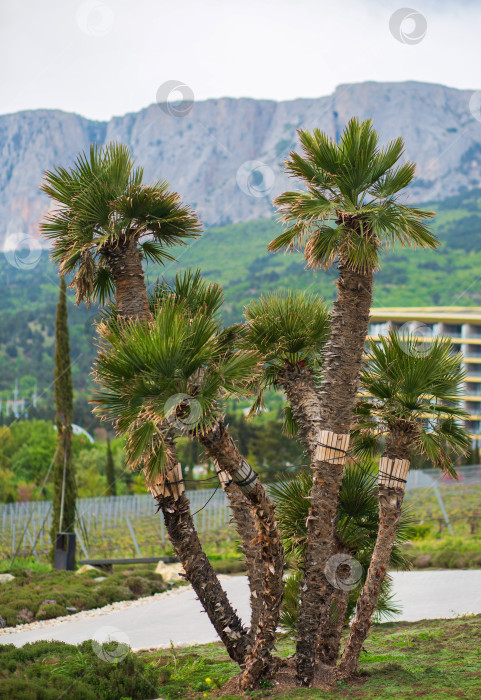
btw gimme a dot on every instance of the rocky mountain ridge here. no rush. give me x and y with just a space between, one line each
225 155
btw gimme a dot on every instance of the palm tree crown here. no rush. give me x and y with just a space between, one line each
190 289
104 205
288 327
174 372
349 209
414 392
285 329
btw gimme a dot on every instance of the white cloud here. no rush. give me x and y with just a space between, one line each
102 58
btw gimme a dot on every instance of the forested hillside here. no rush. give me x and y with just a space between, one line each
235 256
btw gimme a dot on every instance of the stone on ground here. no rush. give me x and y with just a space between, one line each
84 568
169 572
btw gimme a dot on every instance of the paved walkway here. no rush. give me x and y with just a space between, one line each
180 619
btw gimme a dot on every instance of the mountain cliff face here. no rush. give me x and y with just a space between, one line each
224 156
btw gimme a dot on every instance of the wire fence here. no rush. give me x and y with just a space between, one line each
112 526
120 526
444 503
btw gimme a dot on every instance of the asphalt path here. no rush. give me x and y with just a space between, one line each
180 620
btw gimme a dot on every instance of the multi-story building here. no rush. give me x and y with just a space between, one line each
461 324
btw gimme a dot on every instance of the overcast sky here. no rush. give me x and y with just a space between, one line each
107 58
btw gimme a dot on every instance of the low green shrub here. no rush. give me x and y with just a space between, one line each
229 566
24 616
49 670
138 585
48 610
47 594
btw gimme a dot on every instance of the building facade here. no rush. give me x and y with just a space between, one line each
461 324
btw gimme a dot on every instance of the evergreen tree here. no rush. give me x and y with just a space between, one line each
110 471
65 490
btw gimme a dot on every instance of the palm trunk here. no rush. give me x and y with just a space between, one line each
338 391
330 643
245 524
390 495
220 447
200 574
302 395
125 261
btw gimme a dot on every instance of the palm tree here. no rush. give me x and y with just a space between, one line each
289 330
252 509
357 526
347 213
185 355
191 290
108 221
140 367
413 402
105 214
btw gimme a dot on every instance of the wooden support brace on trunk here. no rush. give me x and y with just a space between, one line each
169 484
224 477
332 447
393 472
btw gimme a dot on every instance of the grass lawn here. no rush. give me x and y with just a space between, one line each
432 659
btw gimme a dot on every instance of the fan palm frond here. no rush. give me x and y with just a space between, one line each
358 523
190 289
173 372
411 388
285 328
358 516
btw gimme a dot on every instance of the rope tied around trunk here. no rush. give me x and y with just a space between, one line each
161 501
391 477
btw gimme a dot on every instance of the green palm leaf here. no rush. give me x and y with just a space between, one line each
358 522
168 376
285 328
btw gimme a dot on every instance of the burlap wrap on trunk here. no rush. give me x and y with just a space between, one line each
170 484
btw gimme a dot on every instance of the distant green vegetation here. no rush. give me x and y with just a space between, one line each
26 452
27 448
235 256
